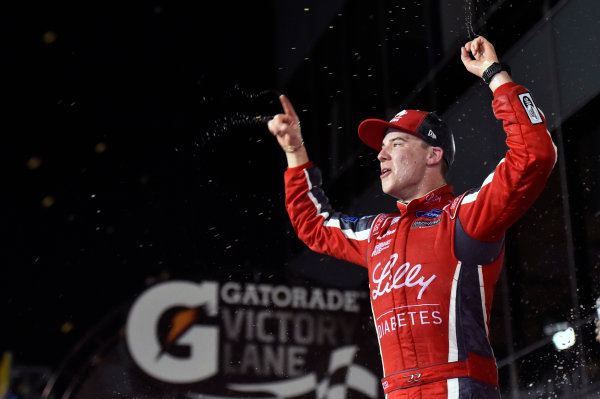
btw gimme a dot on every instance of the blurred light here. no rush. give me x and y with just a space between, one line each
33 163
564 339
49 37
100 147
550 329
66 327
47 201
5 368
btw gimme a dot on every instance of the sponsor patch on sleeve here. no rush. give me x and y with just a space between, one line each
530 108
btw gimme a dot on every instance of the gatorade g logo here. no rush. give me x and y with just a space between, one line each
163 334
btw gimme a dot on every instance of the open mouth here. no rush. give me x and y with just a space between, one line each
385 172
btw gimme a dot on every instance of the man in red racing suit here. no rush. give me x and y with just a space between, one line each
433 265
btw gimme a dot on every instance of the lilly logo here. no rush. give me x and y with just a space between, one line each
405 276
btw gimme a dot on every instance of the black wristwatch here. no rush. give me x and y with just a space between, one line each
492 70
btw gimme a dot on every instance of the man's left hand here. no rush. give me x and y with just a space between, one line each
484 55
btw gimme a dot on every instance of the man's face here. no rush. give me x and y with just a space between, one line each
403 160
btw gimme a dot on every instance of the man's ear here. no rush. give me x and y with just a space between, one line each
436 155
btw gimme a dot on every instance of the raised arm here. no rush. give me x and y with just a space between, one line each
520 177
315 222
286 128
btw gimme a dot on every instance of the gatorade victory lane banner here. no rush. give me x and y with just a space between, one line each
210 339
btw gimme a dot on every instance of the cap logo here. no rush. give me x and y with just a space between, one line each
398 116
432 134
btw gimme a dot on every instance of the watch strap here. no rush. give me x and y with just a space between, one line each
492 70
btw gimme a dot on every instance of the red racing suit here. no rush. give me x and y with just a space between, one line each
433 265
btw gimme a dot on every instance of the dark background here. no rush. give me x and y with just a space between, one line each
136 150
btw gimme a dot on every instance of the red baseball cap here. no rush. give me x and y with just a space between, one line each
423 124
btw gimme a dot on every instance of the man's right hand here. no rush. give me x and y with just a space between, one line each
286 128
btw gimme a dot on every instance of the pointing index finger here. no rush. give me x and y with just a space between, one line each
287 107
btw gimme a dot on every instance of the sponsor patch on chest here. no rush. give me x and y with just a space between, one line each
427 218
381 247
425 223
431 214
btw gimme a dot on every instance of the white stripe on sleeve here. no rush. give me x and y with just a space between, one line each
473 196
